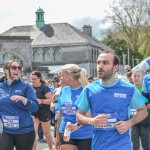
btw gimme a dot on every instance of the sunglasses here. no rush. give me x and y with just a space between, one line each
15 68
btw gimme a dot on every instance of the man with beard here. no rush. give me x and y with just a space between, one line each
109 100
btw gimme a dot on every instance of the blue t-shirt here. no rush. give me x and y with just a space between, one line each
114 100
66 103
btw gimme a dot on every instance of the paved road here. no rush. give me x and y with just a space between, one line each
43 146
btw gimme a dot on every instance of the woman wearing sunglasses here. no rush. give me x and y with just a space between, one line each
17 101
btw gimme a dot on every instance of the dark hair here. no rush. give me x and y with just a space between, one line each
39 75
7 66
116 58
90 78
129 74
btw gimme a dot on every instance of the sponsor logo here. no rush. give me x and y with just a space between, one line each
17 91
120 95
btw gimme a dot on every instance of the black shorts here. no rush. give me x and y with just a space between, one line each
79 143
43 115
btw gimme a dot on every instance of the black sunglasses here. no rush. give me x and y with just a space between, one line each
15 67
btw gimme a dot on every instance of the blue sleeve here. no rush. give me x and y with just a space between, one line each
144 89
82 102
146 84
32 103
138 100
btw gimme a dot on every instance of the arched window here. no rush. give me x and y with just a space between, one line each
57 54
35 56
8 56
46 55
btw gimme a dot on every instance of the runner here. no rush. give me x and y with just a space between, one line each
43 115
109 100
74 78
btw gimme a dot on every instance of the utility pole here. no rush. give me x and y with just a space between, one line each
128 54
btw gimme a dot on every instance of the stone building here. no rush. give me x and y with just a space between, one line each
46 47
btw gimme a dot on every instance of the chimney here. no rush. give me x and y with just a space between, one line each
87 29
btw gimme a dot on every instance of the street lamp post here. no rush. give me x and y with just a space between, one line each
124 58
132 61
128 54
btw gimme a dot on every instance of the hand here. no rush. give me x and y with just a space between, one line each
72 127
39 101
17 98
100 120
122 126
52 106
56 143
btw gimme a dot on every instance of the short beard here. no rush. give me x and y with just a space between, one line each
107 75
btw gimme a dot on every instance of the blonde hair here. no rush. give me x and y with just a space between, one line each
76 73
139 70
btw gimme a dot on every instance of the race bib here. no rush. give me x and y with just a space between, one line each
69 108
112 119
11 121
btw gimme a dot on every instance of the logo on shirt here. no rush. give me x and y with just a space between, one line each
120 95
17 91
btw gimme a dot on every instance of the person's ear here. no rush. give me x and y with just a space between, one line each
116 67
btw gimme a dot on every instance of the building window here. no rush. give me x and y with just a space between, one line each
46 55
57 54
36 57
8 56
92 54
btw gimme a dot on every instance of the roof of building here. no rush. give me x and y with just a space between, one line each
40 10
54 34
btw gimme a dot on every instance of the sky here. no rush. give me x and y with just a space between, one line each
75 12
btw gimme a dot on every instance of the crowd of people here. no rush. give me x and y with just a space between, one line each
109 112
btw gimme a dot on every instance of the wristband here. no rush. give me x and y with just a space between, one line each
78 125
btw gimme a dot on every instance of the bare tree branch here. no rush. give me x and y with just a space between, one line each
132 19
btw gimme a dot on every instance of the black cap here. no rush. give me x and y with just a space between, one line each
55 79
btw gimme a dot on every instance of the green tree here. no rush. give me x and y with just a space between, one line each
131 20
121 47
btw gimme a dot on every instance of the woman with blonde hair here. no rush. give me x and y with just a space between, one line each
75 79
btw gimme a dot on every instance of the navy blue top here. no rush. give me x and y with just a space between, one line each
17 116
